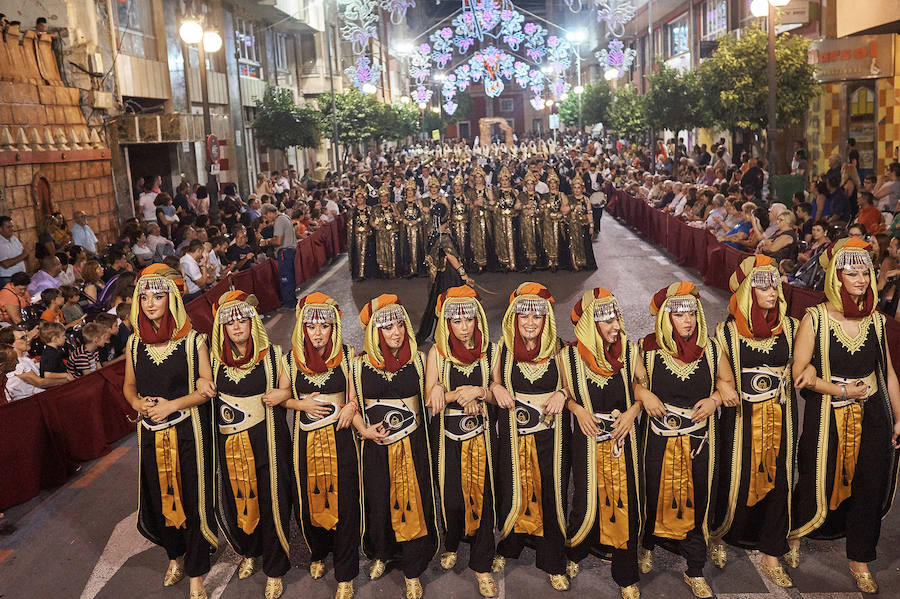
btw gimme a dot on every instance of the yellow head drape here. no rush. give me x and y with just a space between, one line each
462 297
683 292
384 308
311 308
159 278
845 251
233 305
590 342
538 295
741 303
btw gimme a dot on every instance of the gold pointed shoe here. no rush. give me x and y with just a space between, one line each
631 592
865 582
777 575
645 560
487 586
274 588
413 588
248 566
376 569
201 594
559 582
572 569
344 590
792 557
448 559
317 570
498 564
174 573
699 586
717 555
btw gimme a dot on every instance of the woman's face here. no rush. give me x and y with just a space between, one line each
609 330
766 298
685 323
463 329
857 232
818 232
394 335
154 305
238 331
530 327
856 281
20 341
142 239
318 333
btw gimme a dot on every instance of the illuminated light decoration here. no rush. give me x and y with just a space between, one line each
616 58
359 28
615 18
450 106
419 66
422 94
363 73
397 8
537 103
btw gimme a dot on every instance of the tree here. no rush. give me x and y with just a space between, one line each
397 121
594 105
627 113
736 81
357 116
281 124
432 121
463 108
673 100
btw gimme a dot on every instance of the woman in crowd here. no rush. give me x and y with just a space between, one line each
385 222
532 456
413 238
358 235
389 379
782 245
601 371
325 456
480 224
759 423
457 381
168 381
252 441
820 241
739 236
531 203
846 455
683 367
506 222
580 224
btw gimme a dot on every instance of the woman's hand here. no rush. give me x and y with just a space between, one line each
729 396
345 416
274 397
653 405
160 410
586 422
473 408
373 433
436 400
895 437
206 388
504 399
622 426
555 403
704 408
805 379
858 390
146 404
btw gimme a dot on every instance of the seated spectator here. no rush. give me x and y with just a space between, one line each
143 255
117 264
71 308
85 357
869 216
66 274
820 241
889 279
165 213
123 313
112 349
804 221
53 357
239 254
858 231
196 276
82 234
53 300
838 201
717 213
783 245
159 245
13 297
739 235
23 376
93 279
217 247
887 189
183 238
45 278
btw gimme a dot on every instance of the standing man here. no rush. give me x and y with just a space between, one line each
12 255
82 234
593 182
284 240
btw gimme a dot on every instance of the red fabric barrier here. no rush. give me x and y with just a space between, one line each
265 286
315 250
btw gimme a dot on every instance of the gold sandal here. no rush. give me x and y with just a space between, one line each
344 590
777 575
376 569
865 582
792 557
274 588
317 569
248 566
498 564
559 582
645 560
413 588
717 555
631 592
572 569
448 560
487 586
699 586
174 573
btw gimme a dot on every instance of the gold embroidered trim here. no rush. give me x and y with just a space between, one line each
319 379
388 376
852 345
236 375
682 371
158 355
466 370
601 380
761 345
533 372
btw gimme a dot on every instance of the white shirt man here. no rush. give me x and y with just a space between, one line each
12 256
192 273
17 388
82 234
147 207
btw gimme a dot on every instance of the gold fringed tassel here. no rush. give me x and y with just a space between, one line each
472 462
848 423
407 515
321 478
675 504
766 425
169 471
531 518
612 479
241 466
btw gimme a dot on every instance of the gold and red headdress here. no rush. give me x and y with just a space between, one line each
230 307
317 308
530 298
595 306
759 272
159 278
678 297
846 255
460 302
382 312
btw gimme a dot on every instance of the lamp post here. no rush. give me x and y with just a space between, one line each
334 123
576 37
192 33
766 8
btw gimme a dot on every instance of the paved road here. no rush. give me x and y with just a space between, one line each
80 540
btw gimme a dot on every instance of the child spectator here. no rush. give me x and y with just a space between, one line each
53 299
85 358
111 349
123 312
71 309
23 377
53 358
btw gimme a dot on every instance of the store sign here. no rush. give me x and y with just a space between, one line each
854 57
795 13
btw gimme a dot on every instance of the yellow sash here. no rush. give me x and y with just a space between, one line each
241 465
766 425
612 476
675 504
407 514
169 471
322 477
530 519
473 457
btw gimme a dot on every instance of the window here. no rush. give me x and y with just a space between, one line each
506 105
308 56
677 37
134 19
283 52
715 19
537 125
862 102
463 129
248 48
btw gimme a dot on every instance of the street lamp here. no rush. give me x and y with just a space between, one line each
576 36
192 33
611 73
369 88
766 8
404 99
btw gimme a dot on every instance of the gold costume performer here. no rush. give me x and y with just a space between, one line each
846 456
459 218
580 228
553 212
480 220
385 221
358 235
506 222
531 203
413 230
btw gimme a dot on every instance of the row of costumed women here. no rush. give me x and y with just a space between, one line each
498 229
709 463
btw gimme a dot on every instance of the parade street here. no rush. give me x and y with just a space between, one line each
80 540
